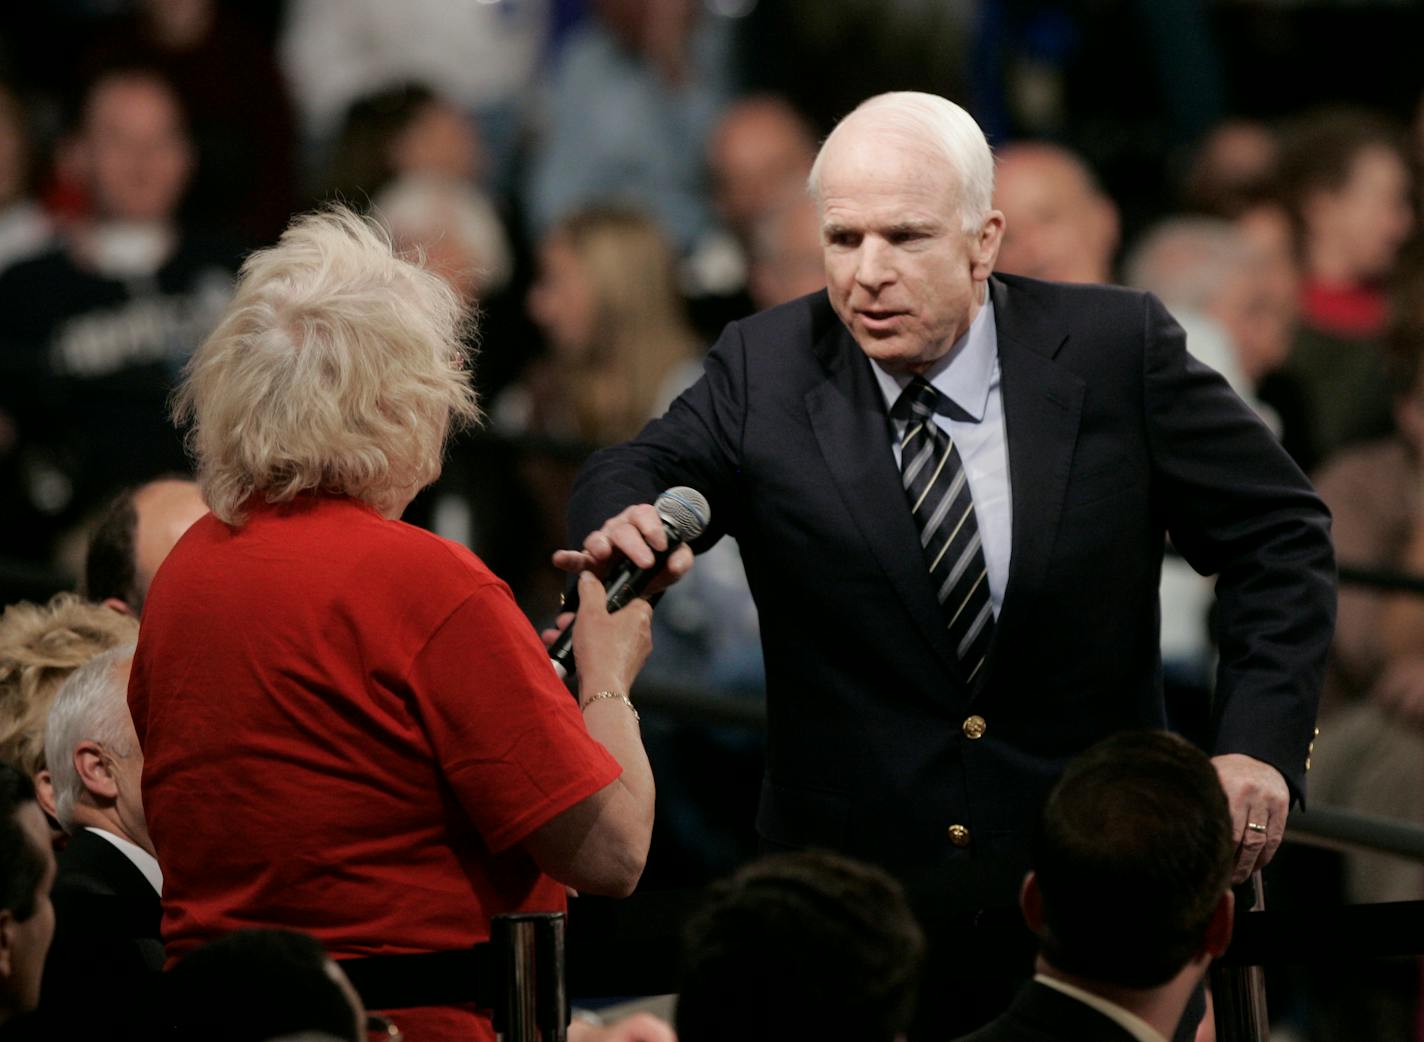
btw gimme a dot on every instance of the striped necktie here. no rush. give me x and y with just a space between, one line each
938 490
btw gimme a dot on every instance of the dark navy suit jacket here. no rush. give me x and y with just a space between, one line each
106 955
1117 438
1040 1014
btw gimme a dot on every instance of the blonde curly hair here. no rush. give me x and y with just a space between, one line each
40 645
338 367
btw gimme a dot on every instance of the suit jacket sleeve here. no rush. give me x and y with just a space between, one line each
696 443
1236 506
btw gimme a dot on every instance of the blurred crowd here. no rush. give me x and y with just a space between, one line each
606 183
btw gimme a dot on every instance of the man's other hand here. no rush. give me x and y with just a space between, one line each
636 533
1257 796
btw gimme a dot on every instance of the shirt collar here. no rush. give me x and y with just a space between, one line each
1125 1019
964 375
142 859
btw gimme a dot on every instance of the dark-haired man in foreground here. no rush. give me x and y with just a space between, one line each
806 945
1129 894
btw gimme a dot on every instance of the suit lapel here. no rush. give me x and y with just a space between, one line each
847 414
1043 405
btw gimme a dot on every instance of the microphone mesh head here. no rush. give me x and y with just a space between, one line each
685 512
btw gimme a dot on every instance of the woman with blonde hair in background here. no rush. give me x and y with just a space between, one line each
620 345
348 727
619 349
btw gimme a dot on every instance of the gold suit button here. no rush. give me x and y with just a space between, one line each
975 727
1307 763
959 835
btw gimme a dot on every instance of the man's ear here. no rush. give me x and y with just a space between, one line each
44 793
114 604
93 769
1218 930
984 249
1031 902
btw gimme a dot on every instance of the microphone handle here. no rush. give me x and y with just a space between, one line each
627 581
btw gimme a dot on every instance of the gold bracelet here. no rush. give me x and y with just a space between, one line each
617 695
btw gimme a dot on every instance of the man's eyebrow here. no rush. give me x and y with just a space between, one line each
921 227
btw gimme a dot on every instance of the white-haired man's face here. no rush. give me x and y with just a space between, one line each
903 275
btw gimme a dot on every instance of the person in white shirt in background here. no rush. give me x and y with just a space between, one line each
1217 286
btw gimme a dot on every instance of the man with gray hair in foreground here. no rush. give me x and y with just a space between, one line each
106 953
952 490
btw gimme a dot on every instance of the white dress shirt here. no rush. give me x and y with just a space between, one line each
1128 1021
971 411
142 859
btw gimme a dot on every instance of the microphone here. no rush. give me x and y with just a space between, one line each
685 516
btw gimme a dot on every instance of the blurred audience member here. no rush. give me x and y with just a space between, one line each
620 348
1058 223
24 228
758 155
760 150
786 256
1217 286
453 227
26 916
106 952
416 160
1345 176
133 537
484 57
1213 283
1129 892
236 101
40 645
1267 228
809 945
402 130
1369 756
636 91
254 985
1231 166
103 322
347 690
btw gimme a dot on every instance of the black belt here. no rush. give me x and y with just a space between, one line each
452 978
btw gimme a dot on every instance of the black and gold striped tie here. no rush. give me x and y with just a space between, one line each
938 490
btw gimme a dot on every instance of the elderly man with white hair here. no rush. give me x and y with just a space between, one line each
952 490
106 952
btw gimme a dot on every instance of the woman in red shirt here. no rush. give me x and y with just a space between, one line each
348 727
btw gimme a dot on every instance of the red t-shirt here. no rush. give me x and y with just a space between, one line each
348 727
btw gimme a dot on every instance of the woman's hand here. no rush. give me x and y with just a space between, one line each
610 648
